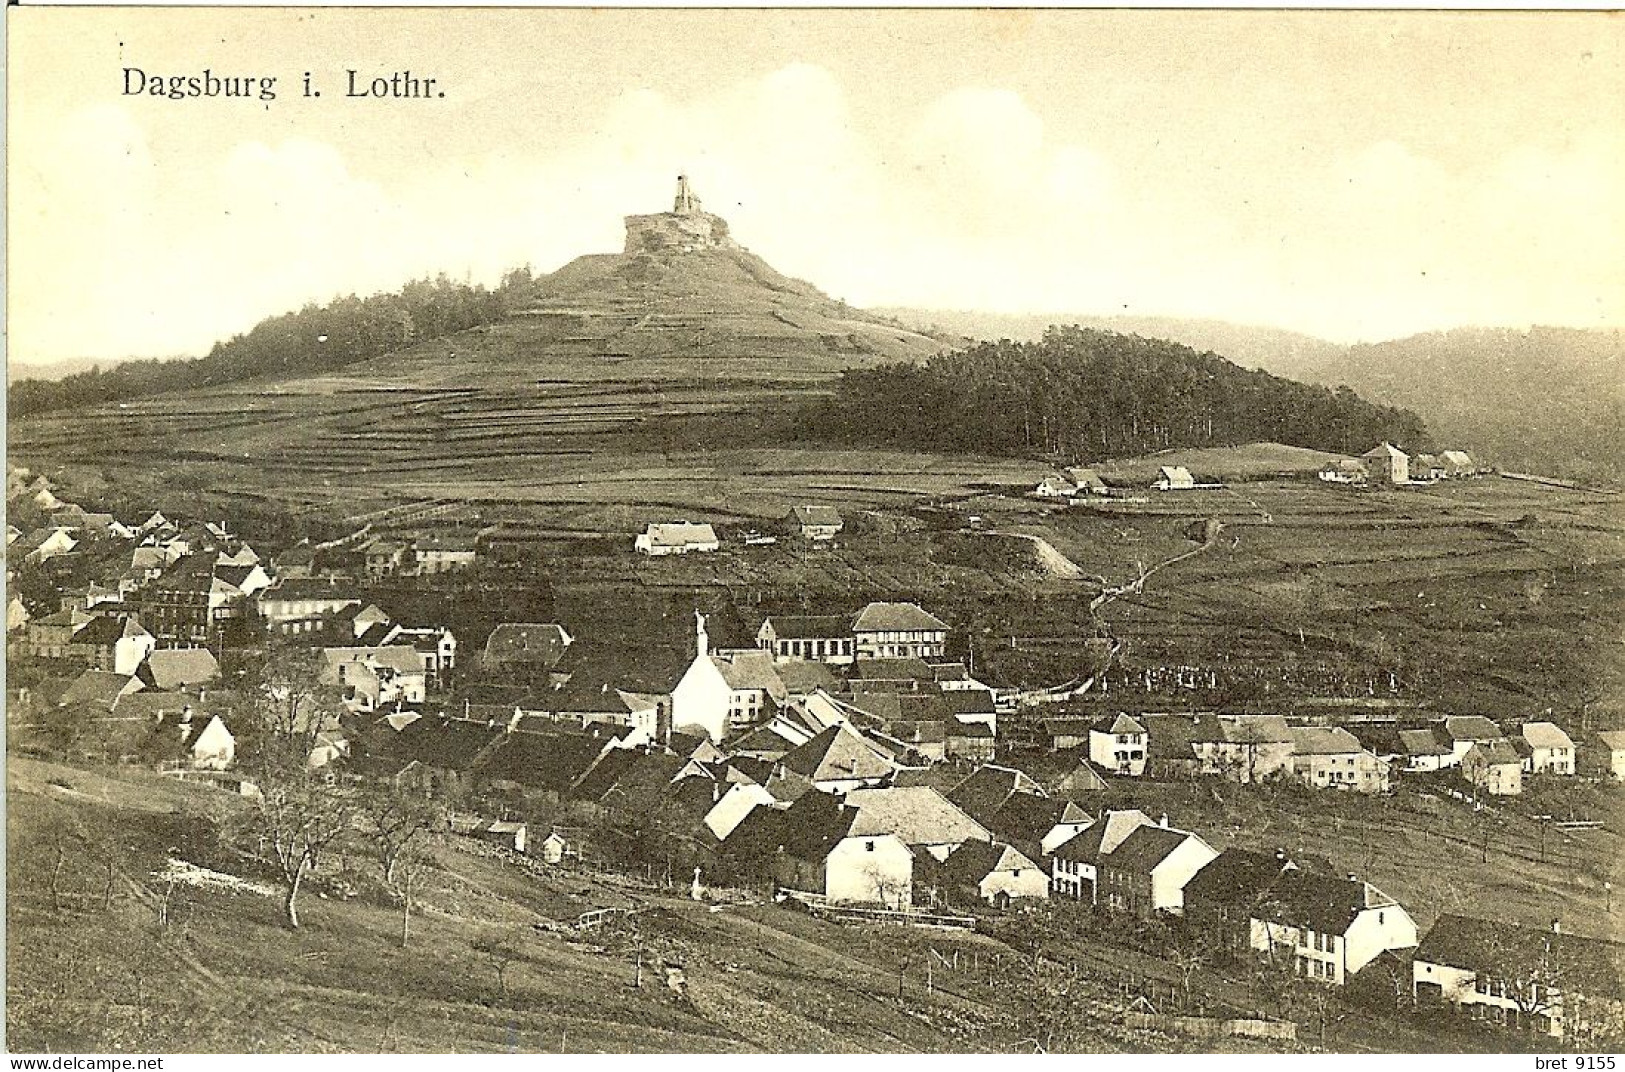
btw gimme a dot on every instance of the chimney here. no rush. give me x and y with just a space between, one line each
1557 926
1164 823
1353 877
702 642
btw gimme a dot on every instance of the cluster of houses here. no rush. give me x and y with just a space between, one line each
1382 464
812 523
1387 464
827 811
1362 757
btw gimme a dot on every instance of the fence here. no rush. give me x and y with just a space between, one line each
1209 1027
823 906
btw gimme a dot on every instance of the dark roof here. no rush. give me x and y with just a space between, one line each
892 670
542 643
445 541
809 626
543 760
969 702
1067 727
1234 878
1114 825
814 825
1028 817
601 777
102 631
1325 903
1145 848
986 789
1591 965
1468 728
973 861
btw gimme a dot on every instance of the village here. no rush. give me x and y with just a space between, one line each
845 760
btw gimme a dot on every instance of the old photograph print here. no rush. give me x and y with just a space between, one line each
575 531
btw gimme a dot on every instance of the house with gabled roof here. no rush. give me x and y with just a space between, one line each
815 522
1543 980
1461 732
1550 750
812 848
1118 744
1075 863
179 668
923 818
1327 927
1605 754
1038 825
676 538
1088 480
1333 758
99 688
735 804
1224 897
195 739
1173 478
1388 464
898 630
986 789
1146 873
1056 486
1457 463
1494 767
443 552
825 638
981 871
1243 748
836 760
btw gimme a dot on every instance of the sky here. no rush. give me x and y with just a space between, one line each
1354 175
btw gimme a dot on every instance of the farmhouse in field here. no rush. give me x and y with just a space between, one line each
1388 464
1086 482
1334 758
1174 478
816 523
1055 486
1457 463
1345 471
1548 981
676 538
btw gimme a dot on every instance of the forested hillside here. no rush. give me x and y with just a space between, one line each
1081 393
316 339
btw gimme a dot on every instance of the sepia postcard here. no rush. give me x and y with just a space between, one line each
571 531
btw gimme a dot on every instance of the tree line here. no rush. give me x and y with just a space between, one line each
310 341
1080 393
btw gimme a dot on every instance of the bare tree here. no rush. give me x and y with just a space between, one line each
300 817
397 822
298 814
502 950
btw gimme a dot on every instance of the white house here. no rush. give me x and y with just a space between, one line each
676 538
1333 758
994 872
817 523
1547 981
1550 750
1328 927
1388 464
1345 471
1119 745
1174 478
1495 767
898 631
1055 486
132 648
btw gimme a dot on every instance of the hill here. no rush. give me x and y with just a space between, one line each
1079 393
1471 385
1548 400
